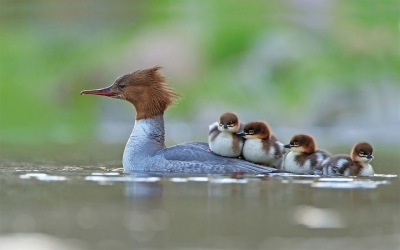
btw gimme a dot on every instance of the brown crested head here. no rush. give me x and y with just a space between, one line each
362 151
229 121
303 143
257 130
229 118
146 89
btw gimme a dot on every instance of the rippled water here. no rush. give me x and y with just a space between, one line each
97 207
110 210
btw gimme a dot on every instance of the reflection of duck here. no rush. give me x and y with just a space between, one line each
357 164
145 150
303 157
143 189
222 137
261 146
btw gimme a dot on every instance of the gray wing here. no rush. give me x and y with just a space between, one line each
324 153
317 163
278 145
195 157
213 128
341 163
337 165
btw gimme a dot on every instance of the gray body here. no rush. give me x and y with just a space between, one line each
145 151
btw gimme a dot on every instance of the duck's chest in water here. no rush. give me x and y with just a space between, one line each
367 170
364 170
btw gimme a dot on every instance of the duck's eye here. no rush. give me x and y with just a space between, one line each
251 131
121 85
296 143
230 124
361 153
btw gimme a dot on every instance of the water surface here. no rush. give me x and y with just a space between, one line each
51 205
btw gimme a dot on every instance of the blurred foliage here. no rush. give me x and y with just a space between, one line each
51 50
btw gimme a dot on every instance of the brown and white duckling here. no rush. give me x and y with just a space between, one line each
261 146
355 164
223 138
303 158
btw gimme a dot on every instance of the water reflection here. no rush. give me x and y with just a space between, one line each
43 177
38 241
112 210
87 218
143 190
313 217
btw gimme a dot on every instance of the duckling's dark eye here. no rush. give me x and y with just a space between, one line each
251 131
361 153
296 143
121 85
230 124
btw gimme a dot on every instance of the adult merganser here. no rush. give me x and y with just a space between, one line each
223 139
145 150
261 146
303 158
357 164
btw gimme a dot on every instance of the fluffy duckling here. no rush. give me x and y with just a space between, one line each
357 164
261 146
222 137
303 158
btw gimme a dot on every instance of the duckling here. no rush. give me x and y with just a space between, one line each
303 158
355 164
223 138
261 146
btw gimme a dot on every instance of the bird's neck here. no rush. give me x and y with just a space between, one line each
146 139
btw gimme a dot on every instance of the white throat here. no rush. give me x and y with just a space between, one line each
146 139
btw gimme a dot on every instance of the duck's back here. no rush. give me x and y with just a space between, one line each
336 165
196 157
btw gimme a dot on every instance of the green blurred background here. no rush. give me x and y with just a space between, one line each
329 68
